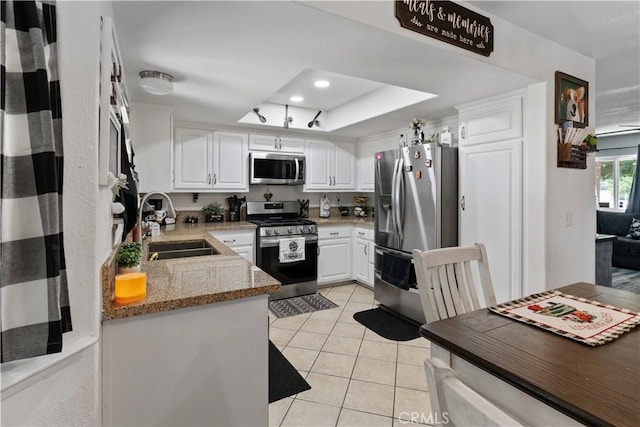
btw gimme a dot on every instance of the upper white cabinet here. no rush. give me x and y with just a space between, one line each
330 166
206 160
151 134
500 121
366 159
276 143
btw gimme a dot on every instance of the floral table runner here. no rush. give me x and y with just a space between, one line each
580 319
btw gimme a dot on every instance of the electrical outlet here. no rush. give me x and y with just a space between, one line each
568 218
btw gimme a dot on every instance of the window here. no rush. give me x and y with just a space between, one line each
614 176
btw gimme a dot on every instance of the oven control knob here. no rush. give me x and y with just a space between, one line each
267 232
301 229
276 231
289 230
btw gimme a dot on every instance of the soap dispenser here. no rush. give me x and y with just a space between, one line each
325 209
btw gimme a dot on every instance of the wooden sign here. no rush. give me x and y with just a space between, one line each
448 22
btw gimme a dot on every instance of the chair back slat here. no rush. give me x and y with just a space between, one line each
447 283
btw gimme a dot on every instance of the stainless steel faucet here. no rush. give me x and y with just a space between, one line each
170 214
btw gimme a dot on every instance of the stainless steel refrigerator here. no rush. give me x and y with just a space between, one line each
416 207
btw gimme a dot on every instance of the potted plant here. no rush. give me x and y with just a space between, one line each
590 143
128 257
344 211
213 212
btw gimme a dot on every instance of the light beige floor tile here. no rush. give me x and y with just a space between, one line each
412 405
347 318
300 358
280 347
318 326
339 365
308 340
418 342
369 335
349 330
329 314
362 290
411 376
280 336
303 374
338 296
361 298
376 371
406 421
324 291
277 411
412 355
342 345
325 389
292 322
351 418
354 307
304 413
370 397
379 350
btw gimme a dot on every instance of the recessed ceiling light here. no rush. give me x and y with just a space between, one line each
321 83
296 98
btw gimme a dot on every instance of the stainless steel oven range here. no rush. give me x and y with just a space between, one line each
286 246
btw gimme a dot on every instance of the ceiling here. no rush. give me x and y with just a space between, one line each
230 57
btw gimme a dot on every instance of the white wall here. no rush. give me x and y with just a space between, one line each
568 252
68 393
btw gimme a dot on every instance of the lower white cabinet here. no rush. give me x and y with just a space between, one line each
241 241
334 260
203 365
363 255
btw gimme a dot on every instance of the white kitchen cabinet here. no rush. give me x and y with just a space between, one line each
241 241
366 159
363 255
151 136
498 120
276 144
330 166
230 162
203 365
193 154
207 160
335 258
491 195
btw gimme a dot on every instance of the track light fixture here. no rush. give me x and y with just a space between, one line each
314 121
262 118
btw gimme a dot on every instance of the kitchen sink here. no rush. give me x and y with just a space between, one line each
170 250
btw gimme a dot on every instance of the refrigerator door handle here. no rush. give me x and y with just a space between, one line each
400 201
394 197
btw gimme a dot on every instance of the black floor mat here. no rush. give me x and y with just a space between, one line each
387 325
284 379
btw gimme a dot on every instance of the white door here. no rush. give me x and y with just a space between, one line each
317 175
334 261
344 166
491 210
192 156
361 259
230 161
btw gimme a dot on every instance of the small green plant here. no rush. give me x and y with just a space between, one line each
129 254
344 211
212 209
591 140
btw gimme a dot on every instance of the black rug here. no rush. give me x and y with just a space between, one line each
298 305
387 325
627 280
284 379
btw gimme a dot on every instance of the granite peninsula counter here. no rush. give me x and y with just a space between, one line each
187 282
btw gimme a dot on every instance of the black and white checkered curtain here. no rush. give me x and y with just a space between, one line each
34 298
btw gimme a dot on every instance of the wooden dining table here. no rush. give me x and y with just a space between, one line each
543 378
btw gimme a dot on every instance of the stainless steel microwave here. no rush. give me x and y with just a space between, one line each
276 168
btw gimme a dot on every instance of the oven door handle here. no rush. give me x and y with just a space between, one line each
264 243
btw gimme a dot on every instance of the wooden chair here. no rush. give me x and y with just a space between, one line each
453 403
447 284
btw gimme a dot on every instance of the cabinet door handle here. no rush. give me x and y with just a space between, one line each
279 144
360 233
462 203
275 143
334 233
229 241
173 176
366 251
463 132
209 179
215 178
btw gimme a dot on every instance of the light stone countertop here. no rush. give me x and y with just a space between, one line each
187 282
344 220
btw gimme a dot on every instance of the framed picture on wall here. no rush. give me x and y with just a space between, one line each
571 100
